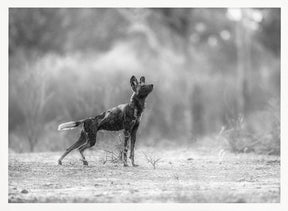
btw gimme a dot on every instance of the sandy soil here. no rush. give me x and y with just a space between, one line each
182 175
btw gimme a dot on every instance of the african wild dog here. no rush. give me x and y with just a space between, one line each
122 117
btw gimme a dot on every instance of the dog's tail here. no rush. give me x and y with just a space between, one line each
70 125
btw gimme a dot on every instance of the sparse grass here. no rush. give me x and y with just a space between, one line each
115 155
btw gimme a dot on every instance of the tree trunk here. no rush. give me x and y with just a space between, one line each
243 65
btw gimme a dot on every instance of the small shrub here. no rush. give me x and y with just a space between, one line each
260 134
239 139
151 159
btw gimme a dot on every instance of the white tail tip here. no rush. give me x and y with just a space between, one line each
67 126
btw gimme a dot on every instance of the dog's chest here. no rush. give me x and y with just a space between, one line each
133 116
137 114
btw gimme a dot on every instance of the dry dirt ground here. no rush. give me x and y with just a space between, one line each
182 175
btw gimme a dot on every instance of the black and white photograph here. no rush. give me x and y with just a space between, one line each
144 105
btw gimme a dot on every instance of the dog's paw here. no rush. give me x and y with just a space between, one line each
59 162
85 163
135 165
125 165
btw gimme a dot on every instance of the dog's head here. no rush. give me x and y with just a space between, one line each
141 89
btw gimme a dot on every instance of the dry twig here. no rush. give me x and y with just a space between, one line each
152 160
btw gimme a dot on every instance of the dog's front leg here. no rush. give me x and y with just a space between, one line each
132 145
126 139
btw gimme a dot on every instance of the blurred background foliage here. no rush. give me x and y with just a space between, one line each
213 70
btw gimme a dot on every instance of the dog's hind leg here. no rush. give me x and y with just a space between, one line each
90 143
83 158
77 144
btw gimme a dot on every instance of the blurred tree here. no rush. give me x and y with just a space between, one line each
197 109
33 95
243 59
34 29
63 30
270 27
177 19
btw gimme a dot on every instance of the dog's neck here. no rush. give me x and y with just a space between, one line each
138 104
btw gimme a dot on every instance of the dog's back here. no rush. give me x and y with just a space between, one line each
112 119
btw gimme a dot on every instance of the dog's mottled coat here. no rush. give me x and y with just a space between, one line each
124 117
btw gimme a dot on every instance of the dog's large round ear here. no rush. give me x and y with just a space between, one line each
133 82
142 80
